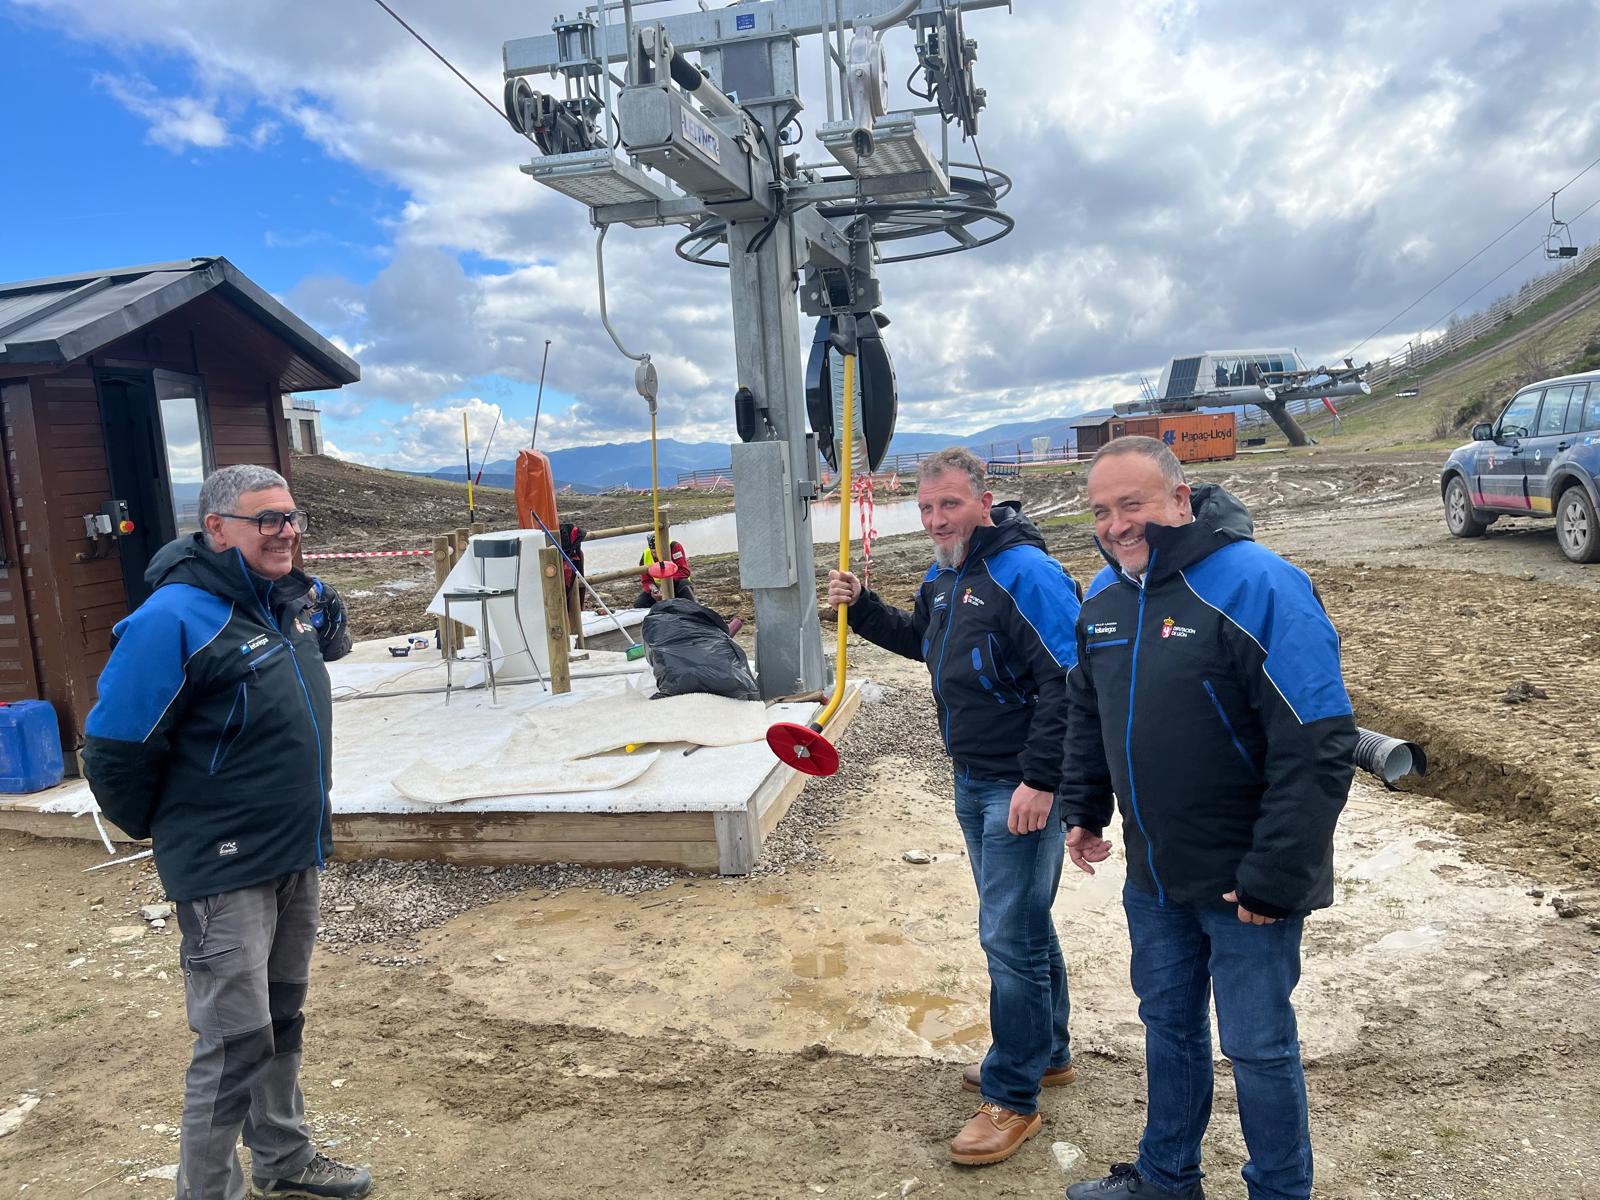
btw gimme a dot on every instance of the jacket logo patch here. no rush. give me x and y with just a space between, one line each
1171 629
942 599
968 598
254 643
1102 627
224 849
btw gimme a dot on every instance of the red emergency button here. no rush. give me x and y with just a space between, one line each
124 526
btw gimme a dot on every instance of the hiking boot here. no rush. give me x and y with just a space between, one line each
972 1077
1125 1183
321 1178
993 1133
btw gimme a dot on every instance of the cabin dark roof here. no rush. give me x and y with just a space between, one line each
68 317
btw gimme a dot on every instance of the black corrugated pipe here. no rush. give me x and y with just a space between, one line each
1390 759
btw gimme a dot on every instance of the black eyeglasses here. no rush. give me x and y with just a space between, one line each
271 522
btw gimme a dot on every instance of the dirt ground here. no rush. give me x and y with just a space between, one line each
799 1032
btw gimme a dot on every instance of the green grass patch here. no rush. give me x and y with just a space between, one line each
54 1020
1065 519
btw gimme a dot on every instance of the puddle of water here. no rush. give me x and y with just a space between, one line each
771 901
826 1003
555 916
825 962
886 939
718 535
928 1015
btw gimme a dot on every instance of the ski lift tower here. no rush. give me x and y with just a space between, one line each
704 146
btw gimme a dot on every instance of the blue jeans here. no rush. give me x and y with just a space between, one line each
1017 876
1181 953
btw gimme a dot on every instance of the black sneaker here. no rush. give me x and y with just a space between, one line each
322 1178
1125 1183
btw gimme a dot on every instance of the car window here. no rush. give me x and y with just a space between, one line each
1517 419
1553 413
1575 412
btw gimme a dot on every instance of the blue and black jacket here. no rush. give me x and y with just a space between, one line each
212 733
996 633
1209 698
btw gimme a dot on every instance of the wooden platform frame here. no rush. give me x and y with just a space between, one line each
726 843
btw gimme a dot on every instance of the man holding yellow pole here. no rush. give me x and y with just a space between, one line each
994 622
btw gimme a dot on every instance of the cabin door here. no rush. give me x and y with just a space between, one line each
158 454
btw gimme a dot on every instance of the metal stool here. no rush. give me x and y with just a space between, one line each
480 594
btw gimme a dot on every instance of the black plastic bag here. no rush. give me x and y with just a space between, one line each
690 651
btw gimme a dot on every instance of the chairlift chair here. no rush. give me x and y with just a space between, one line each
1558 241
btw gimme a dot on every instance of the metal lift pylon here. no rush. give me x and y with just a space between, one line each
702 146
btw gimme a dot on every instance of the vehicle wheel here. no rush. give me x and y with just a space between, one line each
1459 517
1577 530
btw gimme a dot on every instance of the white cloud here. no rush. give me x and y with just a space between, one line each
1187 176
177 123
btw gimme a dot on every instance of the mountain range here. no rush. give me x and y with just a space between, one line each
627 464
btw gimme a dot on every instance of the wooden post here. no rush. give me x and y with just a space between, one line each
555 620
575 612
458 550
441 568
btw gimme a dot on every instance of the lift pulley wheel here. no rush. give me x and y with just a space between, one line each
879 401
803 747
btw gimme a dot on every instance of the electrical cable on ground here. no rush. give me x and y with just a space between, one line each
1539 207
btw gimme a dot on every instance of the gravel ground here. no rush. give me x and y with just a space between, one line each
375 908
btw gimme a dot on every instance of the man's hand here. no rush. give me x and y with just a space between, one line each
1030 809
1084 848
845 588
1245 915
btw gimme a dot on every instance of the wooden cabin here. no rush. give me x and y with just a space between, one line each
119 391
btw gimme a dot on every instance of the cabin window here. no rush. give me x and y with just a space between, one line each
186 439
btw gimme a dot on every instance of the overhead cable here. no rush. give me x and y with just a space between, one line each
1539 245
1539 207
495 108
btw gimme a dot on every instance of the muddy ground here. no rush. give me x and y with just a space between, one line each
799 1032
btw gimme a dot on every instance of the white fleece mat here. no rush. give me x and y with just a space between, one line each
633 719
426 782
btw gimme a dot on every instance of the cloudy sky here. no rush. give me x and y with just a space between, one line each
1189 176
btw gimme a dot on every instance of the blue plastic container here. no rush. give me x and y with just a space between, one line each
30 746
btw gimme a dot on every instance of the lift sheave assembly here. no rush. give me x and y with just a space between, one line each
697 132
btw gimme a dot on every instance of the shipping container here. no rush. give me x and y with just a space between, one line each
1193 437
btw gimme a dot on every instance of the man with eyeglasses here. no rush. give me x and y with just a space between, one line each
212 737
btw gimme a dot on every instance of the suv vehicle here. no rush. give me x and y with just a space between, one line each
1541 458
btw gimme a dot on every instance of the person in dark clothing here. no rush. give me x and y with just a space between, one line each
993 621
1208 697
650 591
211 735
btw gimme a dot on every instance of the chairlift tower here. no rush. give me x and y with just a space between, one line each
703 147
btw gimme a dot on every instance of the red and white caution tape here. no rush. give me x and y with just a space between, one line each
863 490
371 554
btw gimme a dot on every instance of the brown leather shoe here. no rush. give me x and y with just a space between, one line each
993 1133
972 1077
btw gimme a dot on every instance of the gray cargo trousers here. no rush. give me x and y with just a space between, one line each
246 958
